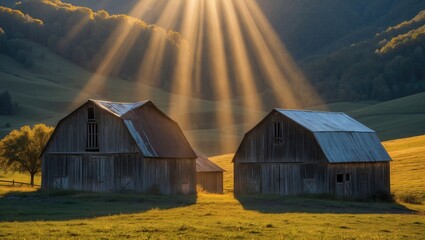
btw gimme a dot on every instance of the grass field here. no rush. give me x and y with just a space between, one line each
70 215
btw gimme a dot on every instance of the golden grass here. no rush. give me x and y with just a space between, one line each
408 168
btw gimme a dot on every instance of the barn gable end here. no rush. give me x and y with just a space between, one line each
110 147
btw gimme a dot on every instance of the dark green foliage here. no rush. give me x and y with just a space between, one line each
81 35
3 41
21 51
7 106
387 66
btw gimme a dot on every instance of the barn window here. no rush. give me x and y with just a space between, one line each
92 141
347 177
92 137
90 114
278 133
340 178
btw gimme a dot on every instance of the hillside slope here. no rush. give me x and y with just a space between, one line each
408 168
55 86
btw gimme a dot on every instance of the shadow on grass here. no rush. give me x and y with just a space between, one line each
68 205
311 204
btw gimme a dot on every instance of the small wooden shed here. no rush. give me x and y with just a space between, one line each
209 175
111 147
293 152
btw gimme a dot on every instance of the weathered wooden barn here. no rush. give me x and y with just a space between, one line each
293 152
110 147
209 175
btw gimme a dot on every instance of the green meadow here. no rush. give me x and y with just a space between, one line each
28 213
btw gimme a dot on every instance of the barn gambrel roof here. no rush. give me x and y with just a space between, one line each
153 139
341 138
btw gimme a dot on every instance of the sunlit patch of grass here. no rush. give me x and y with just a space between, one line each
408 168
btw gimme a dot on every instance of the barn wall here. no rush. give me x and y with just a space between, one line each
95 172
298 144
70 135
280 178
119 172
211 182
366 179
170 176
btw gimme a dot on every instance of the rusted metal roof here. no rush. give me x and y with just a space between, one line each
117 108
203 164
342 138
156 135
325 121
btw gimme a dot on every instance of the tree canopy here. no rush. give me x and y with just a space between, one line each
20 150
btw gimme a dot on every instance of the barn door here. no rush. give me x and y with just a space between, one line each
343 185
102 168
347 185
254 179
363 184
75 173
283 190
310 186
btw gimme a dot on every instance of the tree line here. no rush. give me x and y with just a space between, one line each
78 34
7 106
388 66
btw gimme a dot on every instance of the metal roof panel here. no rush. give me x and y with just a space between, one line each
325 121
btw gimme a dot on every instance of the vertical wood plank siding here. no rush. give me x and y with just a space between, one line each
119 172
211 182
299 166
71 133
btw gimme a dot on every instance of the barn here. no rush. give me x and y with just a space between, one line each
292 152
209 175
112 147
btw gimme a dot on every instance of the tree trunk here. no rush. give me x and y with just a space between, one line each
32 179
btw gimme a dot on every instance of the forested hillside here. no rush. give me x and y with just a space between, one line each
387 66
307 27
80 35
350 50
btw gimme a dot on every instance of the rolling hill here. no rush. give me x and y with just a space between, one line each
55 86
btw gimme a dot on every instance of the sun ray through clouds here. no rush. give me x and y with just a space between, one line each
273 75
151 68
182 80
282 56
219 74
240 61
116 47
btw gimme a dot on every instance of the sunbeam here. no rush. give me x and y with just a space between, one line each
116 47
230 54
244 74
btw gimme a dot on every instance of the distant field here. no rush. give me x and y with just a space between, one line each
69 215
